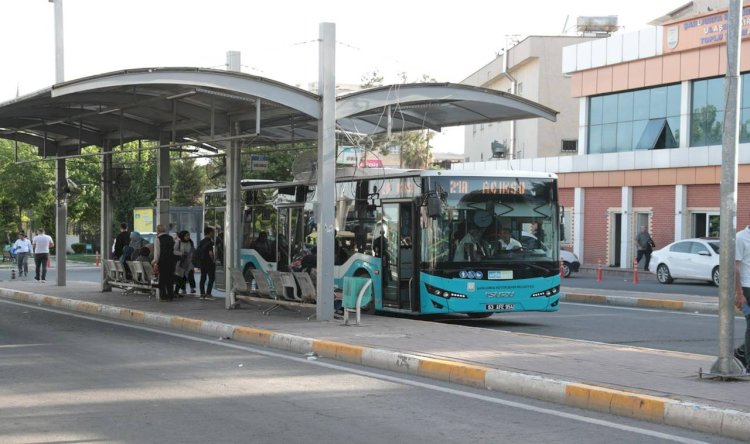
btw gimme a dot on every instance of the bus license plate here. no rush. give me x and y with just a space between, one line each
499 306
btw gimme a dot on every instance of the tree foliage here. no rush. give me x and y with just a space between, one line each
188 183
27 191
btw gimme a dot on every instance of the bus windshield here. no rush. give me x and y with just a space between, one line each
491 221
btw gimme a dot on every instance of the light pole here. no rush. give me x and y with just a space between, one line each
62 204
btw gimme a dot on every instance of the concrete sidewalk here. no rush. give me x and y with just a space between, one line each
654 385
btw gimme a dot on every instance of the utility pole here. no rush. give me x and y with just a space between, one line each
61 213
726 365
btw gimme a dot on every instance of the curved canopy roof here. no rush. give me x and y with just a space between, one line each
208 108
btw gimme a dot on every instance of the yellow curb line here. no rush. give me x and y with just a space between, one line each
660 303
252 335
616 402
338 350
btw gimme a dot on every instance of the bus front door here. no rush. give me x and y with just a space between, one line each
398 273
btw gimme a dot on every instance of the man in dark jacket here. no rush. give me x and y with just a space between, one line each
165 259
207 263
121 241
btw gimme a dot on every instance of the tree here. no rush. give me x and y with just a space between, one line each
136 171
188 183
28 188
84 201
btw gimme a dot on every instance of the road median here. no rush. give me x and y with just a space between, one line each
643 300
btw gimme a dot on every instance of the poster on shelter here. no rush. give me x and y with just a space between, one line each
143 220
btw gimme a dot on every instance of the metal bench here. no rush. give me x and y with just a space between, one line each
279 289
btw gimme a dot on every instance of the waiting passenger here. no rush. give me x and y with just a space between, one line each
144 255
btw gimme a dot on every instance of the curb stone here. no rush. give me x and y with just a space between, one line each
629 301
703 418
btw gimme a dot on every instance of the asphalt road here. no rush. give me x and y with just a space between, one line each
68 378
647 283
664 330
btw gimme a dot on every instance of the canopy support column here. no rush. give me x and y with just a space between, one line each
163 194
61 223
232 217
106 211
326 180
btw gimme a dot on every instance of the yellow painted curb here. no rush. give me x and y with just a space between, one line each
338 350
193 325
660 303
252 335
52 301
453 371
617 402
86 307
590 298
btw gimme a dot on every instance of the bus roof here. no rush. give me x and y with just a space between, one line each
347 173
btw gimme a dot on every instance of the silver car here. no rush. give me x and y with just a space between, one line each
696 258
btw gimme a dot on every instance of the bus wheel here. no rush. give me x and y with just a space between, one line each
370 307
479 315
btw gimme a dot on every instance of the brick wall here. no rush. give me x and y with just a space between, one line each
703 196
743 205
567 197
596 224
660 199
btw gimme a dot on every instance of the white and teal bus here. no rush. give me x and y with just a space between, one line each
432 242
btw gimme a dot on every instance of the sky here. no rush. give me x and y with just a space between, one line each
278 39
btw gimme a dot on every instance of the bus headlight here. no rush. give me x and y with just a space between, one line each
444 293
547 293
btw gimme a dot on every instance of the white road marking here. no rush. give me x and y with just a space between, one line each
382 377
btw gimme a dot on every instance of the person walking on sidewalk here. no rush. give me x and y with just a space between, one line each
742 289
41 244
645 246
23 250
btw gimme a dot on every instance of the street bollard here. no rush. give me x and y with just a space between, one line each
599 271
12 273
635 271
98 259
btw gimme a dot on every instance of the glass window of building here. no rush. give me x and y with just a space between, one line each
643 119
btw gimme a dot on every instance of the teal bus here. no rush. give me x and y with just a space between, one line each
432 242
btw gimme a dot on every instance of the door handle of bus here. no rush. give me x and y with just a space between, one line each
410 282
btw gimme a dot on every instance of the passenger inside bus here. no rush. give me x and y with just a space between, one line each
471 247
507 243
263 246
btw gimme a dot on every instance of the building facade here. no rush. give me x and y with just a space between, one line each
533 71
650 112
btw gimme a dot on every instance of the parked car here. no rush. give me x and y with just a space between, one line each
687 259
570 262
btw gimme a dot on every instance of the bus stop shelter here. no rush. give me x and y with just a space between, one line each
221 112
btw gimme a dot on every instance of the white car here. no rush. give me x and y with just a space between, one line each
687 259
570 262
